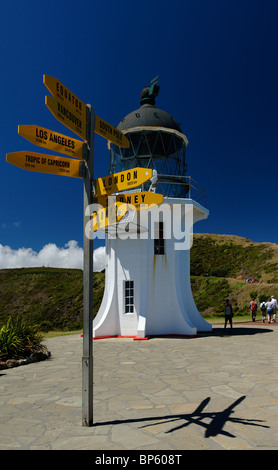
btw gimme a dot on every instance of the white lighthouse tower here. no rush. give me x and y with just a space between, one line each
147 276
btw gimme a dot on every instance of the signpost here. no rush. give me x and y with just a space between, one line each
111 133
113 208
66 97
42 163
108 213
87 358
53 140
81 119
139 201
67 116
121 181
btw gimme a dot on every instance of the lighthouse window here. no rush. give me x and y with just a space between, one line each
129 296
158 239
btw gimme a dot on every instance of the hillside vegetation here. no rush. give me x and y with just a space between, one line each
49 297
235 267
232 256
220 264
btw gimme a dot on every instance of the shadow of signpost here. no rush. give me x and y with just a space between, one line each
218 419
215 427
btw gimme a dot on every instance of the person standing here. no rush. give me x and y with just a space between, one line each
263 310
269 310
228 313
253 308
274 308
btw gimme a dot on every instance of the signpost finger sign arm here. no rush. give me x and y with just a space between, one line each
126 179
42 163
52 140
111 133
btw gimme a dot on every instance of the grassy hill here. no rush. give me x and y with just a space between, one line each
49 297
232 256
220 264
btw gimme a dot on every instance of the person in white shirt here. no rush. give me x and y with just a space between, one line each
275 305
269 310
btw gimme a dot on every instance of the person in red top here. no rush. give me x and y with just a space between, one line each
253 308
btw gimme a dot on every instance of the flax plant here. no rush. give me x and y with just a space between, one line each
18 339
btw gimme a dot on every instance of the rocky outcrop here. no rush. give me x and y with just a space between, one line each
34 357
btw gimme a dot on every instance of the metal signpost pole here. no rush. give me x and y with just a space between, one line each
87 359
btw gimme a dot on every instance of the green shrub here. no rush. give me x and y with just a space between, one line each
45 326
210 292
19 339
253 294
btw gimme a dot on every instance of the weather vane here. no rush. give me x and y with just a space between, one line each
149 93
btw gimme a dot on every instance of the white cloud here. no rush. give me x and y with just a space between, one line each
99 259
69 256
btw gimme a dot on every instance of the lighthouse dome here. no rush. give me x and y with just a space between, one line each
150 116
156 141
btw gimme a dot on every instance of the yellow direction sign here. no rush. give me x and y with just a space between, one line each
52 140
67 116
110 133
65 96
42 163
121 181
113 208
107 214
137 201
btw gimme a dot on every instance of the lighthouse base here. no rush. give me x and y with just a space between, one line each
147 282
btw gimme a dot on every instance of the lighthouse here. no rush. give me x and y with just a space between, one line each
147 274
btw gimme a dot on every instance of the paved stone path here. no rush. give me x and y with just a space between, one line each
216 391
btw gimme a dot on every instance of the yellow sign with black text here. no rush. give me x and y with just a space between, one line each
42 163
113 208
111 133
67 116
121 181
139 201
107 214
65 96
52 140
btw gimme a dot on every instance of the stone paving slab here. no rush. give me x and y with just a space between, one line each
216 391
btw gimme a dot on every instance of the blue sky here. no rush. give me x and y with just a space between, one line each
217 63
